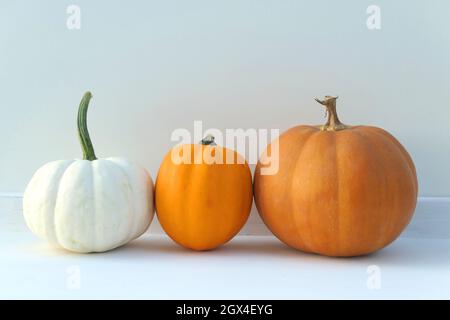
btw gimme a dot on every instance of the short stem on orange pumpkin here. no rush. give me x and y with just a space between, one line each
83 134
333 123
208 140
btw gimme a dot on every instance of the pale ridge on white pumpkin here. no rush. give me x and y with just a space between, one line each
40 195
142 185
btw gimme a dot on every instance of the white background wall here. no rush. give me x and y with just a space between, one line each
154 66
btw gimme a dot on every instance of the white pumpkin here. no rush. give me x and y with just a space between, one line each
89 205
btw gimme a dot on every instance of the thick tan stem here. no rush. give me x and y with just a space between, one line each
333 123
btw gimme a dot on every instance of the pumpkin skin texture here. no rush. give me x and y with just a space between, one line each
199 205
345 192
89 205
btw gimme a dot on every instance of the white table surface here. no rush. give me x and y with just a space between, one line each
249 267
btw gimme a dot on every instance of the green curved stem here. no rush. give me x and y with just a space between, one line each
83 133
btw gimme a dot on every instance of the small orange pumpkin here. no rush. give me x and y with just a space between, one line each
340 190
203 204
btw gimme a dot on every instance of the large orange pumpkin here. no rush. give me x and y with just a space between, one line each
340 190
202 204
